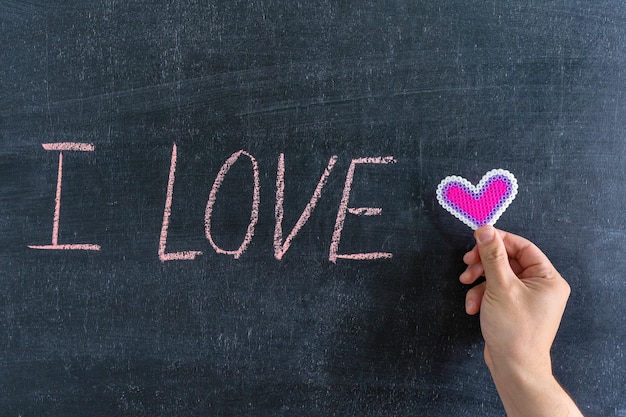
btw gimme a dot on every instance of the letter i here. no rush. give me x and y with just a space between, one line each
64 146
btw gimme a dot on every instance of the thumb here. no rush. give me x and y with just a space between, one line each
493 255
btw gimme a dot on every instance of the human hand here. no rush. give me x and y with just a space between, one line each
521 304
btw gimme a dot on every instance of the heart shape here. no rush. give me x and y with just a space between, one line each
481 204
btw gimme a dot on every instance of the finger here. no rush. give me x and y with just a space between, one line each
472 257
525 255
515 266
472 273
474 298
493 256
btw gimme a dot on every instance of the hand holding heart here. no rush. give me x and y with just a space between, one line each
521 304
522 300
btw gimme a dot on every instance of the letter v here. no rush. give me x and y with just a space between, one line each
280 247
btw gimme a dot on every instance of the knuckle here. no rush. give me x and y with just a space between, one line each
561 285
567 290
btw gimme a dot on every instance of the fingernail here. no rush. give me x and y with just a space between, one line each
485 234
470 306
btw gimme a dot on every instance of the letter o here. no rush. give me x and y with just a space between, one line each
254 215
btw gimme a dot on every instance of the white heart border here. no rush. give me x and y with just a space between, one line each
476 190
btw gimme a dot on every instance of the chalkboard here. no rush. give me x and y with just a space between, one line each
227 208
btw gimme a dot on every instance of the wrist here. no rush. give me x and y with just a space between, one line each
531 392
520 372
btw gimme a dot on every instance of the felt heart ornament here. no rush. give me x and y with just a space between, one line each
481 204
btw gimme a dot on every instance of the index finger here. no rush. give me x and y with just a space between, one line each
526 253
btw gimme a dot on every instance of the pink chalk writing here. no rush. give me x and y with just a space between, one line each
363 211
69 146
281 244
256 199
167 212
280 247
56 219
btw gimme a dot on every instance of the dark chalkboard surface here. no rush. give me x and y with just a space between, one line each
147 276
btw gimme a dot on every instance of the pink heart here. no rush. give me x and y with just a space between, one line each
478 205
